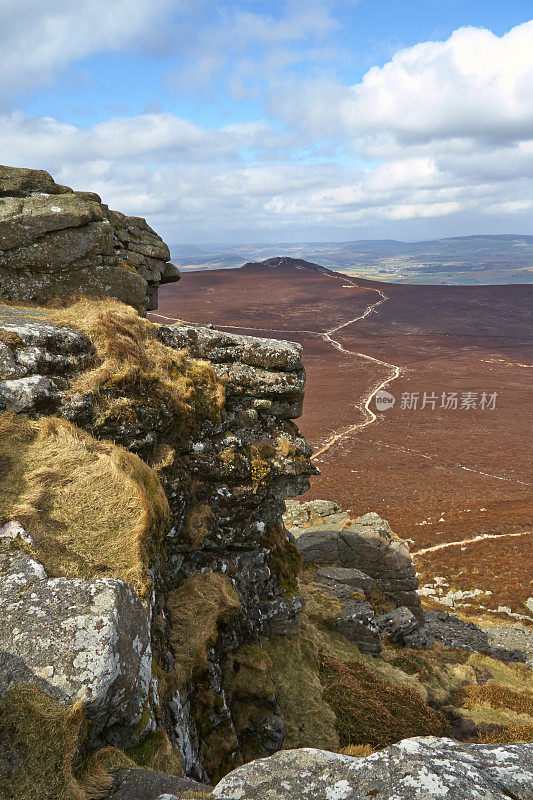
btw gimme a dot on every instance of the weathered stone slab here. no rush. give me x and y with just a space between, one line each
425 768
36 359
75 640
264 374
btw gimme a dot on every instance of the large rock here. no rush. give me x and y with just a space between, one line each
146 784
358 624
367 544
415 769
266 374
36 360
74 640
55 242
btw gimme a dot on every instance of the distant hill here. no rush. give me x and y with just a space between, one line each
477 259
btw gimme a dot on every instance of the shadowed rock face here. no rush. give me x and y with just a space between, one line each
414 769
55 241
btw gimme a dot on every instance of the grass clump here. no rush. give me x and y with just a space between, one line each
498 697
156 752
196 609
41 742
358 750
42 738
372 711
196 526
131 362
249 674
309 720
92 508
285 559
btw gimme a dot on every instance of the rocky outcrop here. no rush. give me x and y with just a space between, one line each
375 577
226 560
414 769
55 241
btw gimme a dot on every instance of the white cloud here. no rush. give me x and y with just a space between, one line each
443 131
195 184
475 84
40 37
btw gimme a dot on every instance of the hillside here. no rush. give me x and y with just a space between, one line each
440 475
170 617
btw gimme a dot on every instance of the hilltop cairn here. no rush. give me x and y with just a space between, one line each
55 241
363 563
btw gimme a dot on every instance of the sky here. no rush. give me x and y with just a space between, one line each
290 120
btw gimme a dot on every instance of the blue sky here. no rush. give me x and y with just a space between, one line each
278 121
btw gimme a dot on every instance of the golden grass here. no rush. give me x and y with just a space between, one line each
196 526
370 710
11 339
357 750
43 737
93 508
129 358
513 734
498 697
196 609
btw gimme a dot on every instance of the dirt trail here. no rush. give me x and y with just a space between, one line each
481 538
393 370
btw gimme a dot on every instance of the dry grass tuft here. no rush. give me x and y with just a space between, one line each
358 750
196 526
513 735
373 711
130 358
156 752
196 609
93 508
498 697
11 339
41 738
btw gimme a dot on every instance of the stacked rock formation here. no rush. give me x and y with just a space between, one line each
364 564
55 242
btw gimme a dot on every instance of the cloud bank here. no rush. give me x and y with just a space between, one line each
443 132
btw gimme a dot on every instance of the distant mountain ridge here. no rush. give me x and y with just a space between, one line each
476 259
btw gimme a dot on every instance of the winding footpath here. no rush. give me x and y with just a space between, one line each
393 370
481 538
